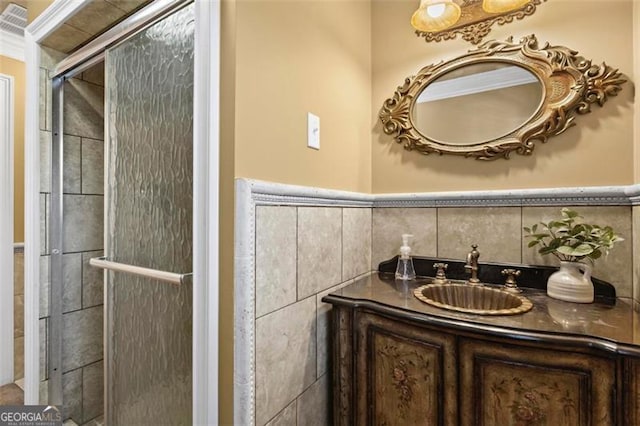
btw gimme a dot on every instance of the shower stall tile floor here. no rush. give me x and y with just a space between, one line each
96 422
11 394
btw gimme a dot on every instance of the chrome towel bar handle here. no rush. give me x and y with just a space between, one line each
169 277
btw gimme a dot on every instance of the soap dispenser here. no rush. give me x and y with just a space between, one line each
405 269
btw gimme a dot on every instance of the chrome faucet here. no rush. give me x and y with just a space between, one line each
472 264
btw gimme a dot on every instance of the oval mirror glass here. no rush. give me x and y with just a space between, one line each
477 103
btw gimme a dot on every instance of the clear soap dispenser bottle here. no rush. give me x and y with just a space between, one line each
405 269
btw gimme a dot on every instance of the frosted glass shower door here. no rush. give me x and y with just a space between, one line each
149 83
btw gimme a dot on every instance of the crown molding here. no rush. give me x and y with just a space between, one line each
12 45
54 17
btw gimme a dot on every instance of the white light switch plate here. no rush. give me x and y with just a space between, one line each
313 131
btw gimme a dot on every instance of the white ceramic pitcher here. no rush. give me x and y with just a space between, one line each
570 284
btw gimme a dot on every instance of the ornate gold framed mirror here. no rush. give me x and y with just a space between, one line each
500 98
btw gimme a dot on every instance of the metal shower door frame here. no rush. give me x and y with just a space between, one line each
205 194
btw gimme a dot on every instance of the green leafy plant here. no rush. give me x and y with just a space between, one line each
569 239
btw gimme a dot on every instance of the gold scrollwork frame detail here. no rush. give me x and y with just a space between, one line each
571 84
475 23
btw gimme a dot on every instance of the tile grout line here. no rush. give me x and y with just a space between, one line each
369 248
82 280
297 257
342 274
633 273
255 265
521 236
437 231
80 193
349 281
282 411
283 307
82 394
80 164
253 392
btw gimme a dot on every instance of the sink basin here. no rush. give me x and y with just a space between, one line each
473 299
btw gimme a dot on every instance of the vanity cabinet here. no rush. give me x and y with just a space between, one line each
508 384
409 374
401 371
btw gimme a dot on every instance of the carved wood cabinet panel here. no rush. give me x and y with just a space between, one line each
511 386
398 371
631 391
409 374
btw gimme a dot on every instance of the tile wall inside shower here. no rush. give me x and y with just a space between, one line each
83 171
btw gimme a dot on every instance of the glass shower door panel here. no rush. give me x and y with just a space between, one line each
149 223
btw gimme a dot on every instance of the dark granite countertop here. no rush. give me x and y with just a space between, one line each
611 327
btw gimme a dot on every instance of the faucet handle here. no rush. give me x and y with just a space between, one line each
473 255
510 284
440 276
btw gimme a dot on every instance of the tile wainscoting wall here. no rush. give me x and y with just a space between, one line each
296 244
302 253
291 256
448 232
83 188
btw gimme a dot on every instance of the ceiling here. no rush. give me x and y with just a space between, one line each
5 3
91 21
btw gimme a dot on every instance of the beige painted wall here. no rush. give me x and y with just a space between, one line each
280 60
35 8
16 69
227 210
598 151
295 57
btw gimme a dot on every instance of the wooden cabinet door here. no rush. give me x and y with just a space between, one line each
509 385
405 375
631 391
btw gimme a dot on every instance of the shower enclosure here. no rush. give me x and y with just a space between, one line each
149 216
122 191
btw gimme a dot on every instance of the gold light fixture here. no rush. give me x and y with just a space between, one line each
435 15
501 6
439 20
